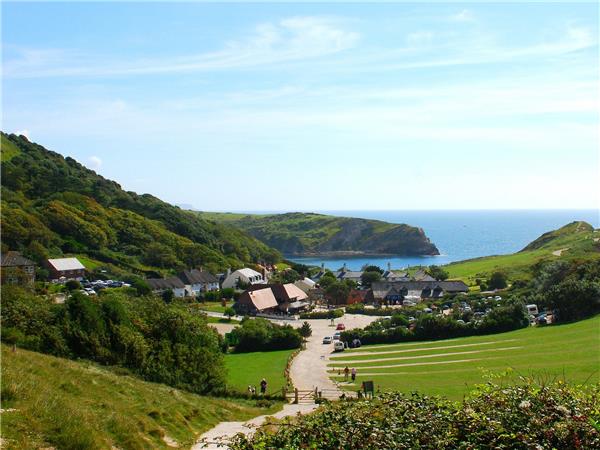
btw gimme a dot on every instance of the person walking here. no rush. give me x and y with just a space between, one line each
346 372
353 374
263 386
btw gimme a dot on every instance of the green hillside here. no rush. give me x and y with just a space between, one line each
575 241
51 402
311 234
53 205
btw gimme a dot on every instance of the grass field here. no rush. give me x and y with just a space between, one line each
57 403
214 306
451 367
249 368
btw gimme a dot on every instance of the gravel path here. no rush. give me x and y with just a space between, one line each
219 436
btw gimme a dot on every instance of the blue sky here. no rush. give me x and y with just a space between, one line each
315 106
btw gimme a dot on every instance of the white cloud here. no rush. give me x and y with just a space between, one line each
290 39
463 16
94 162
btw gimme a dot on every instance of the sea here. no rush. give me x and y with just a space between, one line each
459 234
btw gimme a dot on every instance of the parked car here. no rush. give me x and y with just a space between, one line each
532 309
338 346
355 343
327 340
541 319
337 335
340 326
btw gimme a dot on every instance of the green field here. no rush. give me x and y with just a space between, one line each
214 307
249 368
451 367
57 403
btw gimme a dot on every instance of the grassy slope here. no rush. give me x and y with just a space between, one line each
561 350
249 368
578 237
69 404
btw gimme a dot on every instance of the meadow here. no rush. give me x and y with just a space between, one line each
52 402
246 369
452 367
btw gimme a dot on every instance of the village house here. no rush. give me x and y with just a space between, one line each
257 301
197 281
306 284
160 285
342 274
389 275
16 269
398 291
242 277
290 299
65 269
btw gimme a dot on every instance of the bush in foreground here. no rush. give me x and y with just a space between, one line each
528 416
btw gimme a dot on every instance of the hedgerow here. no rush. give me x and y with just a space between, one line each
530 415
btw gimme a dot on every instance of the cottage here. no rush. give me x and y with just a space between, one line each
257 301
242 277
389 275
415 291
306 284
16 269
197 281
160 285
290 297
65 268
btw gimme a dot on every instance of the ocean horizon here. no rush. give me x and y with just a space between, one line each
458 234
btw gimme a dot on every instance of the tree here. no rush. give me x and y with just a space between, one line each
337 292
168 296
73 285
227 292
370 277
497 281
327 279
305 330
438 273
141 287
574 299
373 268
229 312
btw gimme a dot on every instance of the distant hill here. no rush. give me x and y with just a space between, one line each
53 205
574 241
302 234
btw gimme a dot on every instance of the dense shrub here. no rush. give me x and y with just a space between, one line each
261 335
527 416
160 342
330 314
359 308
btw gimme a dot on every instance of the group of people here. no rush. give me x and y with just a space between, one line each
263 388
351 372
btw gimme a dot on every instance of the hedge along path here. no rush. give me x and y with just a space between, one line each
437 355
410 350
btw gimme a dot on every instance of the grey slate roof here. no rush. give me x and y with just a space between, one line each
14 259
158 284
382 288
196 276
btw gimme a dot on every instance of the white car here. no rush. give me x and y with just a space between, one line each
327 340
338 346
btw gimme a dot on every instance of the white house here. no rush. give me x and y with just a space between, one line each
242 276
197 281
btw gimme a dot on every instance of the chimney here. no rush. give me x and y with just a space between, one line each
201 269
322 267
389 266
344 268
228 271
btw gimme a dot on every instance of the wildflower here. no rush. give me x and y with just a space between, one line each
563 410
525 404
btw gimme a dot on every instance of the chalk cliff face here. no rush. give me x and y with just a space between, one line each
313 234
